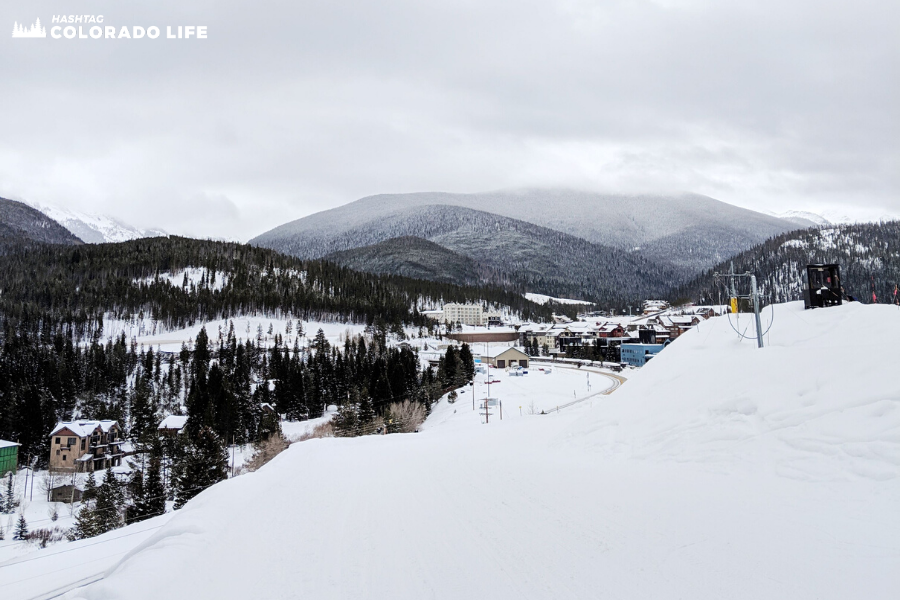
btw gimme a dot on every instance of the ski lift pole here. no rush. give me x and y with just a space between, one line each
759 333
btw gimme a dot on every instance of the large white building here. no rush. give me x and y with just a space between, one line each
467 314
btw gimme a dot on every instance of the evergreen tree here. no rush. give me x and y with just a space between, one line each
85 523
346 421
90 489
147 490
10 503
467 362
143 417
366 414
21 529
109 504
202 463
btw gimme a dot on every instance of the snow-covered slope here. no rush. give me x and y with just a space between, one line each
543 299
688 230
96 229
815 404
803 218
717 471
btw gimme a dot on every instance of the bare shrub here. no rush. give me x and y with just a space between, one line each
322 430
42 537
404 417
266 451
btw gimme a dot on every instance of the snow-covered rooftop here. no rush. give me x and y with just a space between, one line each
83 428
495 351
173 422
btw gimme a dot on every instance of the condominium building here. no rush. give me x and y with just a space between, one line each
467 314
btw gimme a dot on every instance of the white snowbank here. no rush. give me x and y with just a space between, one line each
820 401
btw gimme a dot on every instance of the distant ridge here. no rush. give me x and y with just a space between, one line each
868 253
21 223
689 231
96 229
518 255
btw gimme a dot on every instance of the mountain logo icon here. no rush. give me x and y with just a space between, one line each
36 31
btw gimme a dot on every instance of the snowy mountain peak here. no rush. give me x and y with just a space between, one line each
96 229
803 217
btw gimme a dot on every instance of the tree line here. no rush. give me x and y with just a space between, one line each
868 253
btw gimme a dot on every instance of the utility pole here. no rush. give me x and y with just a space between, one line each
25 489
759 333
232 456
488 371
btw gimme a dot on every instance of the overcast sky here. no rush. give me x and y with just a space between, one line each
289 108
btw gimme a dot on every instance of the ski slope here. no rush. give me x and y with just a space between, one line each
717 471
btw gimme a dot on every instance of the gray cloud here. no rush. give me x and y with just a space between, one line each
292 107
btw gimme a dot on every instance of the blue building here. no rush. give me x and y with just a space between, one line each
637 355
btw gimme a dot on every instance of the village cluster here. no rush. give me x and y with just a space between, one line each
630 340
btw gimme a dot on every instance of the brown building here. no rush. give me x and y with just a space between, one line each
67 493
502 358
85 446
172 425
611 330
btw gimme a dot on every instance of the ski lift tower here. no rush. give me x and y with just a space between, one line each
753 297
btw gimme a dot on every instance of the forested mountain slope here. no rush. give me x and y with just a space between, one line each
411 257
520 255
57 362
869 255
51 287
655 223
21 223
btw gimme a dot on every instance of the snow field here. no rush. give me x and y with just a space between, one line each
814 404
543 299
171 341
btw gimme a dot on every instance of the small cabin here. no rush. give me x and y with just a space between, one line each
66 493
172 425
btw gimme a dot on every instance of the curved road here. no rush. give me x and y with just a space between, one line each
617 380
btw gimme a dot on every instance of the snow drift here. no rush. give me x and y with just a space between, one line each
820 401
